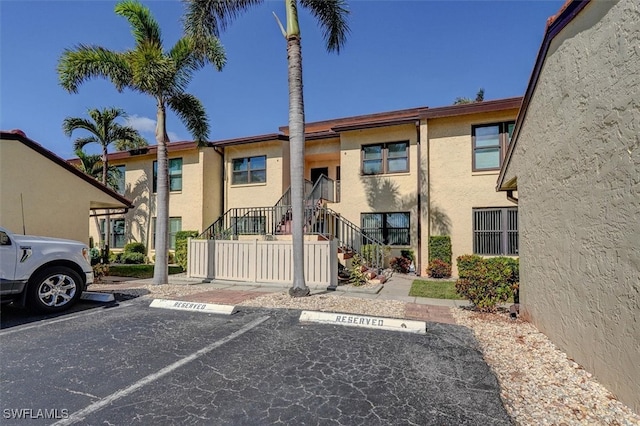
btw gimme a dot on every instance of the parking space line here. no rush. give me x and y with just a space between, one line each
96 406
48 321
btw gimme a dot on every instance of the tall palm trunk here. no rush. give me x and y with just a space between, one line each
161 267
296 141
107 220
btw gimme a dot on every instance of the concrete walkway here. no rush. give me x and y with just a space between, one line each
233 292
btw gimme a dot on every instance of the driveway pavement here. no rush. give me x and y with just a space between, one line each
132 364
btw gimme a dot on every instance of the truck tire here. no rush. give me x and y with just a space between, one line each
54 289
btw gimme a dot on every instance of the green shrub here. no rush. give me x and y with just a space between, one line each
130 258
467 264
181 246
408 253
439 269
440 248
487 282
358 271
135 248
114 257
400 264
94 255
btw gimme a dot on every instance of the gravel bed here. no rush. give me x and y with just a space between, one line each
331 303
540 384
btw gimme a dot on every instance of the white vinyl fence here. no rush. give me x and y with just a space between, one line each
261 261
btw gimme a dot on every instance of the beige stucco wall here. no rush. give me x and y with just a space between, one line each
255 194
199 172
577 161
212 174
454 188
56 202
394 192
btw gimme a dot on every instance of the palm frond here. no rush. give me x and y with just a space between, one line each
144 27
152 70
126 137
332 17
71 124
192 114
212 17
80 143
89 163
86 62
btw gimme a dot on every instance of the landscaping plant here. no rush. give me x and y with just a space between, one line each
487 282
182 238
439 269
439 256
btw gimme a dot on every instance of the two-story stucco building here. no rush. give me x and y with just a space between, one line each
398 176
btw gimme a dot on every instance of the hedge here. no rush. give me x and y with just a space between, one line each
440 248
181 246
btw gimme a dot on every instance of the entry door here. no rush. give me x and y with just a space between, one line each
317 172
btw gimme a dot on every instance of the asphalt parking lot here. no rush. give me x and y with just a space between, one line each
132 364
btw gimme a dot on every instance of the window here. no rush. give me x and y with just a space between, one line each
117 237
249 225
490 144
390 157
249 170
175 175
495 231
389 228
119 177
175 225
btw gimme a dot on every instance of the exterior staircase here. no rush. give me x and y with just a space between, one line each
320 220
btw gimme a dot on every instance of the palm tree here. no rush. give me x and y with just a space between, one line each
91 164
163 75
206 18
104 131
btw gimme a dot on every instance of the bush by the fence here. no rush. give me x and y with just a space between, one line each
439 269
134 248
440 248
131 257
487 282
181 246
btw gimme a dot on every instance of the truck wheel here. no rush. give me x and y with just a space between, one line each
54 289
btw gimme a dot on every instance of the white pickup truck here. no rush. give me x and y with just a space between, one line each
45 274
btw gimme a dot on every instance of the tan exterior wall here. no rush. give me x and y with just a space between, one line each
55 201
577 161
199 169
255 194
394 192
454 188
213 174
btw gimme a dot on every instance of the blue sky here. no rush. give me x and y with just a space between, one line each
400 54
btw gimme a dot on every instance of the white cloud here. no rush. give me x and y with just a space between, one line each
147 125
141 124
